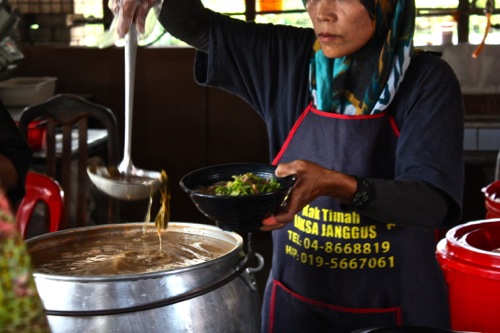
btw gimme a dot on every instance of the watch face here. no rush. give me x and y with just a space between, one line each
364 192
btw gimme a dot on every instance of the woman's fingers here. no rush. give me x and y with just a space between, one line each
131 11
125 9
142 12
270 223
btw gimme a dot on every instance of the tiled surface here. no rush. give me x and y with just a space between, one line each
482 139
470 139
482 133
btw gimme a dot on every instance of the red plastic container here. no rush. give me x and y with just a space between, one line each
492 200
471 267
270 5
37 133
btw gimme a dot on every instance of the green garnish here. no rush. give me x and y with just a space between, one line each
247 184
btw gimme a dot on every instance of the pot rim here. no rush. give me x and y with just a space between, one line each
232 237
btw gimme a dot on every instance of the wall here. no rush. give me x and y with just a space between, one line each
476 75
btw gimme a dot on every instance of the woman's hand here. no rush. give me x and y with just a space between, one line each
312 181
131 12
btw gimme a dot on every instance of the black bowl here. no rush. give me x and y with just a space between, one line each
235 213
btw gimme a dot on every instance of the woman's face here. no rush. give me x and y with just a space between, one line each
342 26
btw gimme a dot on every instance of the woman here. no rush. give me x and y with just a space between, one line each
373 130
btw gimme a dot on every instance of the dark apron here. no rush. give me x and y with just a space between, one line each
335 270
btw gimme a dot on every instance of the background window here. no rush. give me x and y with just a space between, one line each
82 22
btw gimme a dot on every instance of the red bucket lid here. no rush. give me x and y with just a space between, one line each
475 243
492 193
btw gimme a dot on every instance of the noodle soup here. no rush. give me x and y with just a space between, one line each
130 252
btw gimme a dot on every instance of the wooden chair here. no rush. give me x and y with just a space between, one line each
70 114
44 189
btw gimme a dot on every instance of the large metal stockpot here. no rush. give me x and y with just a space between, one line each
218 295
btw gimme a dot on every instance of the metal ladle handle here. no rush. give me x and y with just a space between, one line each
126 165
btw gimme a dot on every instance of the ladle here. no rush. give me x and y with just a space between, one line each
125 181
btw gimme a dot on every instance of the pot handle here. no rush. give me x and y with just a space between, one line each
248 276
260 264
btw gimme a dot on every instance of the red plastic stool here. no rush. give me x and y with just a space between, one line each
41 188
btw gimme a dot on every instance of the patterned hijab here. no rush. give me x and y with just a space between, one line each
366 82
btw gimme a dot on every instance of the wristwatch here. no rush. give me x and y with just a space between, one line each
365 193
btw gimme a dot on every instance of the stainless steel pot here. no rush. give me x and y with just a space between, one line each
219 295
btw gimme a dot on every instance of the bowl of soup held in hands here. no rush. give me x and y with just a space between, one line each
238 196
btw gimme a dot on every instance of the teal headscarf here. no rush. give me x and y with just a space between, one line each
366 81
